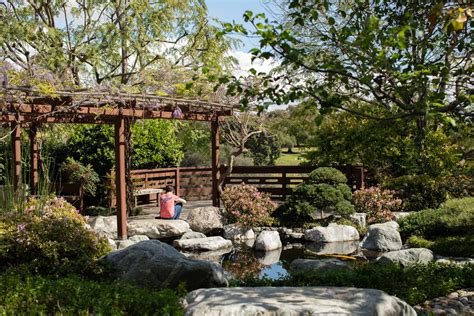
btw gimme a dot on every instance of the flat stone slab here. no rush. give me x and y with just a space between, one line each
203 244
294 301
157 228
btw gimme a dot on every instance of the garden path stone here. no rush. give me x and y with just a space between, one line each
203 244
206 219
104 225
408 257
294 301
340 248
154 264
191 235
382 237
268 240
235 232
157 228
309 265
332 233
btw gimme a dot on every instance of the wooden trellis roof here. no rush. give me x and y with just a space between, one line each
22 104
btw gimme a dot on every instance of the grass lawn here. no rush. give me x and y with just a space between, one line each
292 159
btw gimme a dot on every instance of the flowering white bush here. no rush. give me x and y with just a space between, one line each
246 206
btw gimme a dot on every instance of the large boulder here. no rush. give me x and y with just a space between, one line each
206 219
382 237
203 244
332 233
294 301
340 248
408 257
267 241
235 232
157 228
104 225
309 265
155 264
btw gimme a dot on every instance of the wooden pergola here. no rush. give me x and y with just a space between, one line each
23 107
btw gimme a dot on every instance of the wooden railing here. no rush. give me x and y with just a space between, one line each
280 181
195 183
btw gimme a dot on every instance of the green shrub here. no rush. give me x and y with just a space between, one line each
98 211
418 192
50 239
377 203
413 284
75 172
34 295
324 191
456 246
455 217
327 175
246 206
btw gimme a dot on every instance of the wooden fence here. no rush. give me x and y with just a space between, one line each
195 183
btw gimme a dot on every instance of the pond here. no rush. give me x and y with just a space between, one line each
242 260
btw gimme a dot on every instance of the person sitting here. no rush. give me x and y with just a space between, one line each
170 204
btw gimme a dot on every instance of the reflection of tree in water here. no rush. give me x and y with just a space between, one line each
242 263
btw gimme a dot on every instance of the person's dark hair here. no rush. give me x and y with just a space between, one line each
169 188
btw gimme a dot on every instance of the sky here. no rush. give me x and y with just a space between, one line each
233 10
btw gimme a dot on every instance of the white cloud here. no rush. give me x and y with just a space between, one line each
245 63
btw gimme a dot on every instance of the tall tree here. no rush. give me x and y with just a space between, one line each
89 42
407 59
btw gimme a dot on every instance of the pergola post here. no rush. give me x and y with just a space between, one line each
33 160
120 183
16 149
215 161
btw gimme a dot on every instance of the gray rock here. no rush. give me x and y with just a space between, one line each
154 264
267 241
112 244
359 219
382 237
340 248
294 301
203 244
408 257
235 232
332 233
213 256
121 244
400 215
157 228
138 238
205 219
391 224
192 235
267 258
104 225
308 265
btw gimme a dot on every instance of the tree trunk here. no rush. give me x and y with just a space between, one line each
420 142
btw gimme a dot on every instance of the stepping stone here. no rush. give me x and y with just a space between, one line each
294 301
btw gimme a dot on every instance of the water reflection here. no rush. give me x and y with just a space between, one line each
243 261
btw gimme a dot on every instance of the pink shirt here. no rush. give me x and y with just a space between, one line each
167 202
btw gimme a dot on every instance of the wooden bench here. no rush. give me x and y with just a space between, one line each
148 191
